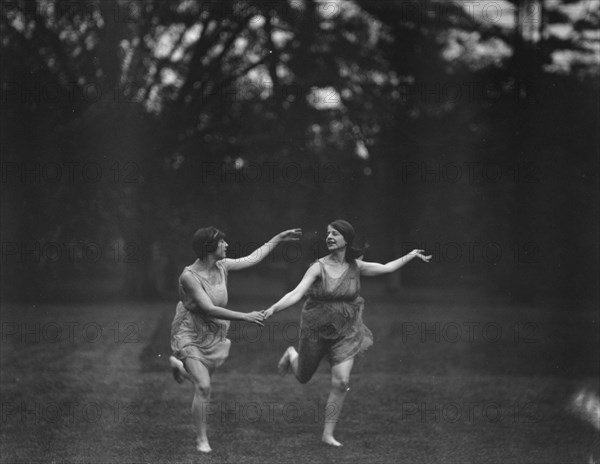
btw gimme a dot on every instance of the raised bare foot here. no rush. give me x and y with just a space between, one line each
330 441
178 369
283 367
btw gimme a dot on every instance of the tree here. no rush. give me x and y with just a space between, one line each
162 90
173 101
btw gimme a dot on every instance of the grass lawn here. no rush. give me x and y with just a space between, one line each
449 380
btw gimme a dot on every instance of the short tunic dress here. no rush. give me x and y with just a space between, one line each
195 334
331 322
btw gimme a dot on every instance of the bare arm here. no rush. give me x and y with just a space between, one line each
375 269
206 306
261 253
291 298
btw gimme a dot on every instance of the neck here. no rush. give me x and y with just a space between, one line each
205 264
339 256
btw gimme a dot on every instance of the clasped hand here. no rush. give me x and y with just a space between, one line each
256 317
268 312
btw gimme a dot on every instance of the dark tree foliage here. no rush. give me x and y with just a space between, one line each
131 123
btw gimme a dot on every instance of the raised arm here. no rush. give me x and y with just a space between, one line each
291 298
206 306
375 269
261 253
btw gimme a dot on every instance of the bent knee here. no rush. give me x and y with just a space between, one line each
303 378
202 388
341 384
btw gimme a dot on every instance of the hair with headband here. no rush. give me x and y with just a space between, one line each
206 240
347 231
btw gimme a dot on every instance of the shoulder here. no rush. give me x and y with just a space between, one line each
315 268
187 278
318 264
360 265
185 273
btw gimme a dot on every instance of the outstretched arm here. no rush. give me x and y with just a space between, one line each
206 306
261 253
293 297
375 269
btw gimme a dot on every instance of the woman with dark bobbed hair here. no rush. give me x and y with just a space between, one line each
331 324
199 329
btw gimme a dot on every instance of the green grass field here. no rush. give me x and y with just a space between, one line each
449 380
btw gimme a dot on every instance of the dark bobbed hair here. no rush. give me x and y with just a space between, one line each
206 240
347 231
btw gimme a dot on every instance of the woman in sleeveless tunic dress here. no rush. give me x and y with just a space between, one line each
196 334
199 329
331 323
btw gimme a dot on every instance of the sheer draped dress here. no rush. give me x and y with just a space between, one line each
195 334
331 323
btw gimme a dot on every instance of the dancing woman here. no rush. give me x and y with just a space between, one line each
199 329
331 323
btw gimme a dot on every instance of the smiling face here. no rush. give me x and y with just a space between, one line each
335 240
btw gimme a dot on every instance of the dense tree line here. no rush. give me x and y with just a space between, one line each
130 123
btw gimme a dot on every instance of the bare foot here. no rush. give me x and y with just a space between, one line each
203 446
178 369
330 441
283 367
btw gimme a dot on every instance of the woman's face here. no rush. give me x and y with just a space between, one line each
221 251
335 240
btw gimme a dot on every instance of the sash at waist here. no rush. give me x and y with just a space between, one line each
357 299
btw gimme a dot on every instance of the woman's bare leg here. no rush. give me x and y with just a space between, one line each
200 376
290 362
340 381
303 364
